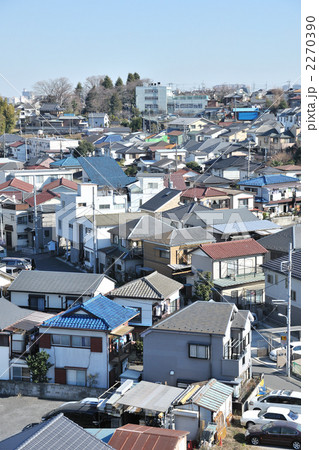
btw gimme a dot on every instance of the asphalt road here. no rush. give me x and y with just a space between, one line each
17 412
44 261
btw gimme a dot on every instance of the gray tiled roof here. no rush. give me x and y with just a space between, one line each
275 264
280 241
191 235
11 313
160 199
199 317
58 433
59 282
154 286
141 228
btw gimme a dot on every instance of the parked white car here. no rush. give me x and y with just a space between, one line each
254 417
281 398
295 350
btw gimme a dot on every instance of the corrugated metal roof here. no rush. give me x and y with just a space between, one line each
213 395
151 396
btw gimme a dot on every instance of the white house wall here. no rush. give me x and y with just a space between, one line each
4 363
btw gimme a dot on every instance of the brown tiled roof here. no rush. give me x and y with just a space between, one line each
60 182
232 249
199 192
177 181
41 198
16 144
18 184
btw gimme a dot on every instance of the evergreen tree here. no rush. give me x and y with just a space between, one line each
203 287
136 76
39 366
107 83
119 82
130 78
115 104
7 116
83 149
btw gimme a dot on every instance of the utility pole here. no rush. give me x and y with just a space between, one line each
286 266
94 232
35 218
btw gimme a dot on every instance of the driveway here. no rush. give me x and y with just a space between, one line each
17 412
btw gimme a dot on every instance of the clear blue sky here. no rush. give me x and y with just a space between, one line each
184 42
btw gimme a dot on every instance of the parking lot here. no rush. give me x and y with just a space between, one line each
17 412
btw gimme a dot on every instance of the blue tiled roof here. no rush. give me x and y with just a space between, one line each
65 162
268 179
102 314
105 171
110 138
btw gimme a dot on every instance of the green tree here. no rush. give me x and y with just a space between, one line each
136 124
90 100
7 116
115 104
83 149
203 287
130 78
136 76
119 82
131 171
39 365
194 166
107 83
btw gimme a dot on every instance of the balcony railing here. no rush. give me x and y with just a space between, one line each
121 353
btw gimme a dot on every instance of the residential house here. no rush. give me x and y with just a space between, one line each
277 244
170 253
233 168
225 225
166 165
18 328
37 177
61 185
235 267
69 162
166 199
98 120
202 341
218 198
208 180
18 151
275 194
90 341
16 188
154 296
139 436
289 117
50 146
55 433
56 291
276 279
291 170
127 241
188 124
17 223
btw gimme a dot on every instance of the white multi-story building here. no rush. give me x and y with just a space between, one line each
153 97
52 146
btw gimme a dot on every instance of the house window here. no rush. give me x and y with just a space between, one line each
61 340
76 377
22 220
164 254
37 302
105 206
81 341
81 204
293 296
22 236
60 224
231 267
152 185
20 373
46 233
243 203
70 301
198 351
270 279
137 319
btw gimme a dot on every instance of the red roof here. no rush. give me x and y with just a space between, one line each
16 144
41 198
136 437
18 184
175 133
233 249
60 182
199 192
177 181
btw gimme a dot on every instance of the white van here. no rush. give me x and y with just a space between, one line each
280 398
20 263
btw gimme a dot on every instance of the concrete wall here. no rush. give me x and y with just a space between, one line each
48 390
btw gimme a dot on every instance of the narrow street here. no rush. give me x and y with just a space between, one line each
44 261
